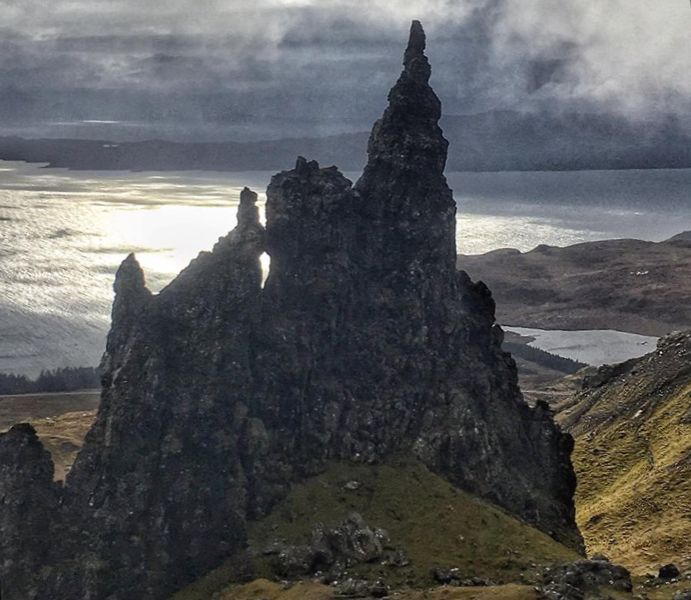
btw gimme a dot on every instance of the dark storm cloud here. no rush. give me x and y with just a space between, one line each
289 67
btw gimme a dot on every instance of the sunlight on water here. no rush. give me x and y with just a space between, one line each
63 235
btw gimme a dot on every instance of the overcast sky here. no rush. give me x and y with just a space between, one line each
271 68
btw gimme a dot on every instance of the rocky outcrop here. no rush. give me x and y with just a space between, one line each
363 342
585 580
332 551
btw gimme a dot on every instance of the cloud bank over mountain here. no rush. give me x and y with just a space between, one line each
216 69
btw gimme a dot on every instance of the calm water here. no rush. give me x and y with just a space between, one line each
63 234
597 347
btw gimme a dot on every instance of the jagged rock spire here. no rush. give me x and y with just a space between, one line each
29 502
248 213
416 64
307 211
403 189
131 297
219 394
129 278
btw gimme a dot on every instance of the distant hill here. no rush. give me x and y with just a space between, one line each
629 285
158 155
492 141
632 424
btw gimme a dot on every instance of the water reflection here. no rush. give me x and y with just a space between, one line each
63 234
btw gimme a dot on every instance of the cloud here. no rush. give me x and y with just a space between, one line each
301 67
630 56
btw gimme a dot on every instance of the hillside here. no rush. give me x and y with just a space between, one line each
436 525
640 287
433 523
632 425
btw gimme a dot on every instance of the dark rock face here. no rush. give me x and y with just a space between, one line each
28 501
364 341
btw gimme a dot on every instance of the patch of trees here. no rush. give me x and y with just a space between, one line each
543 358
68 379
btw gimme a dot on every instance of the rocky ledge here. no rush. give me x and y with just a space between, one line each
219 392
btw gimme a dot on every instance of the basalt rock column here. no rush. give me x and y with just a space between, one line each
440 373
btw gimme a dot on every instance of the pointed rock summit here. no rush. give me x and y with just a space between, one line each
131 299
220 394
248 213
407 206
416 65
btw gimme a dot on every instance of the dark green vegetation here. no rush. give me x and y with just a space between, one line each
543 358
67 379
435 524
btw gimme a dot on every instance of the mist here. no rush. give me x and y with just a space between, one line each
290 68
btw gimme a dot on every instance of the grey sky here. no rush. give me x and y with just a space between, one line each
212 68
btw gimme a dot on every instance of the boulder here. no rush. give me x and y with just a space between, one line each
584 578
669 571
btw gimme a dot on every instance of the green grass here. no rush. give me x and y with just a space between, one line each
436 524
633 459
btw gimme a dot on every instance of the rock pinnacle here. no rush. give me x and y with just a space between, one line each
248 213
416 65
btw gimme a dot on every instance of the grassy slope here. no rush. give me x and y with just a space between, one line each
633 459
436 524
